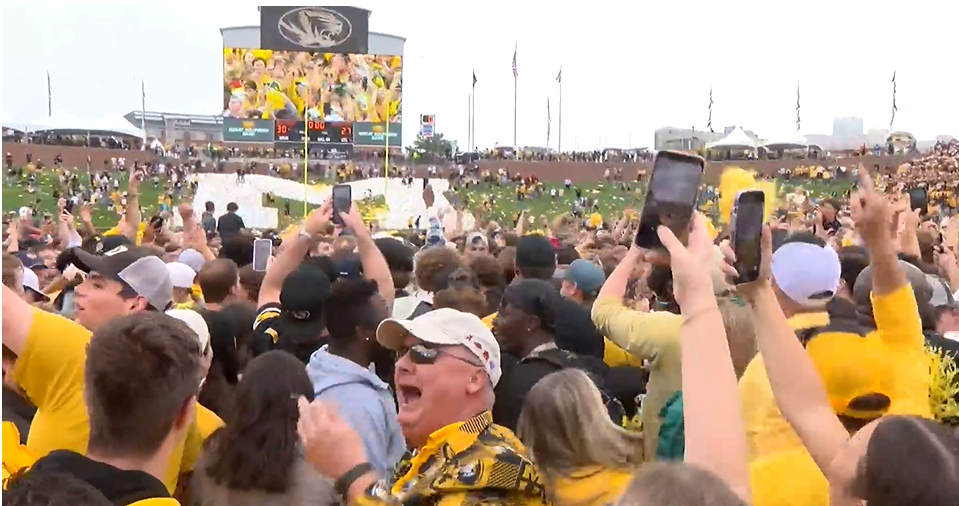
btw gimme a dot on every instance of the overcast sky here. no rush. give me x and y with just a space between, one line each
628 67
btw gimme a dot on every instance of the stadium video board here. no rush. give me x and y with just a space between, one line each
318 98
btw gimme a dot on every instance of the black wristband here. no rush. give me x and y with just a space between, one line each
343 483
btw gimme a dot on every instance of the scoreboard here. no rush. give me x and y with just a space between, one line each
314 131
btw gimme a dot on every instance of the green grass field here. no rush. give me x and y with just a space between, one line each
16 196
505 205
611 198
365 206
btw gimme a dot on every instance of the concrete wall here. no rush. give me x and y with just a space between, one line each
578 172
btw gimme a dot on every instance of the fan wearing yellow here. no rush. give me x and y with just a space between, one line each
52 354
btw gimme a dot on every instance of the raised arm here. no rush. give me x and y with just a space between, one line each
291 254
374 264
715 434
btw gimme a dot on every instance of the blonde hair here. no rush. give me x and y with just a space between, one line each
678 484
566 427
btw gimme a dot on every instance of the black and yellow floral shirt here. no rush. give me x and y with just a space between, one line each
470 463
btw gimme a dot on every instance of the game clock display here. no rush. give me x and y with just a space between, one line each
318 131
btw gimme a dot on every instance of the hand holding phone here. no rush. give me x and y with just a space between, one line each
671 197
342 201
746 234
262 251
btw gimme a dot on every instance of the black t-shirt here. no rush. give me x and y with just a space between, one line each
18 410
274 330
229 224
121 487
575 330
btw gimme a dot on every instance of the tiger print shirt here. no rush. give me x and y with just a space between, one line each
470 463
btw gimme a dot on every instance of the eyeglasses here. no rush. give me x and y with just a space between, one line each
421 354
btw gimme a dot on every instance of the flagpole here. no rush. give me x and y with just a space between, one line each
469 122
49 96
143 111
892 119
797 107
515 96
559 135
306 153
473 119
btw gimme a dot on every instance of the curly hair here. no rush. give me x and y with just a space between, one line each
350 301
262 427
487 270
430 262
507 263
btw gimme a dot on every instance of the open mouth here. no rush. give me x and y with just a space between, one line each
408 394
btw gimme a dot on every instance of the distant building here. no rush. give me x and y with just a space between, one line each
847 128
171 127
690 139
683 139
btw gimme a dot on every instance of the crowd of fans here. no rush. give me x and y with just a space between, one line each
489 365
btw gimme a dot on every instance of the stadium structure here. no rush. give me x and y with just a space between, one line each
170 127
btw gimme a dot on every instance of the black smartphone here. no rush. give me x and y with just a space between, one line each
919 200
68 206
670 198
342 200
746 233
262 251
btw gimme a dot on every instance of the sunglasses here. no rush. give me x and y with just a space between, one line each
421 354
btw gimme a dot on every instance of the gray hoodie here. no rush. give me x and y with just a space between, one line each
364 401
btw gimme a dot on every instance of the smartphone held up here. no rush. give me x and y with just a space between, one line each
262 251
671 197
746 232
342 201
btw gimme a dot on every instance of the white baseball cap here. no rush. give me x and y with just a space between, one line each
446 327
196 323
181 274
807 273
32 282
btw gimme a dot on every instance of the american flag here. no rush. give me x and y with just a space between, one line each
515 73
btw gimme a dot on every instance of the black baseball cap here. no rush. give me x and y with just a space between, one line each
535 251
304 293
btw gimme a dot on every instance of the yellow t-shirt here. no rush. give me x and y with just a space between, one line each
50 371
15 455
588 487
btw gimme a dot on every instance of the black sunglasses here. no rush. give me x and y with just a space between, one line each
421 354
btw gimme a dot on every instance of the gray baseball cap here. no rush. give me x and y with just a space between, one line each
587 276
138 268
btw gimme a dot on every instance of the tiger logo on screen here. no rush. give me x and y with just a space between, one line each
315 27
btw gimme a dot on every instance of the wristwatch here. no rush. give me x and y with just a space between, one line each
304 233
343 483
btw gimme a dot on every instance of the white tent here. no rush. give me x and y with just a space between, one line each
10 124
108 125
61 121
115 123
792 140
737 139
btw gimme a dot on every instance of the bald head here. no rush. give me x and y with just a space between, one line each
218 279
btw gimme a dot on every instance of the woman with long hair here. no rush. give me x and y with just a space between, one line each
256 459
585 457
